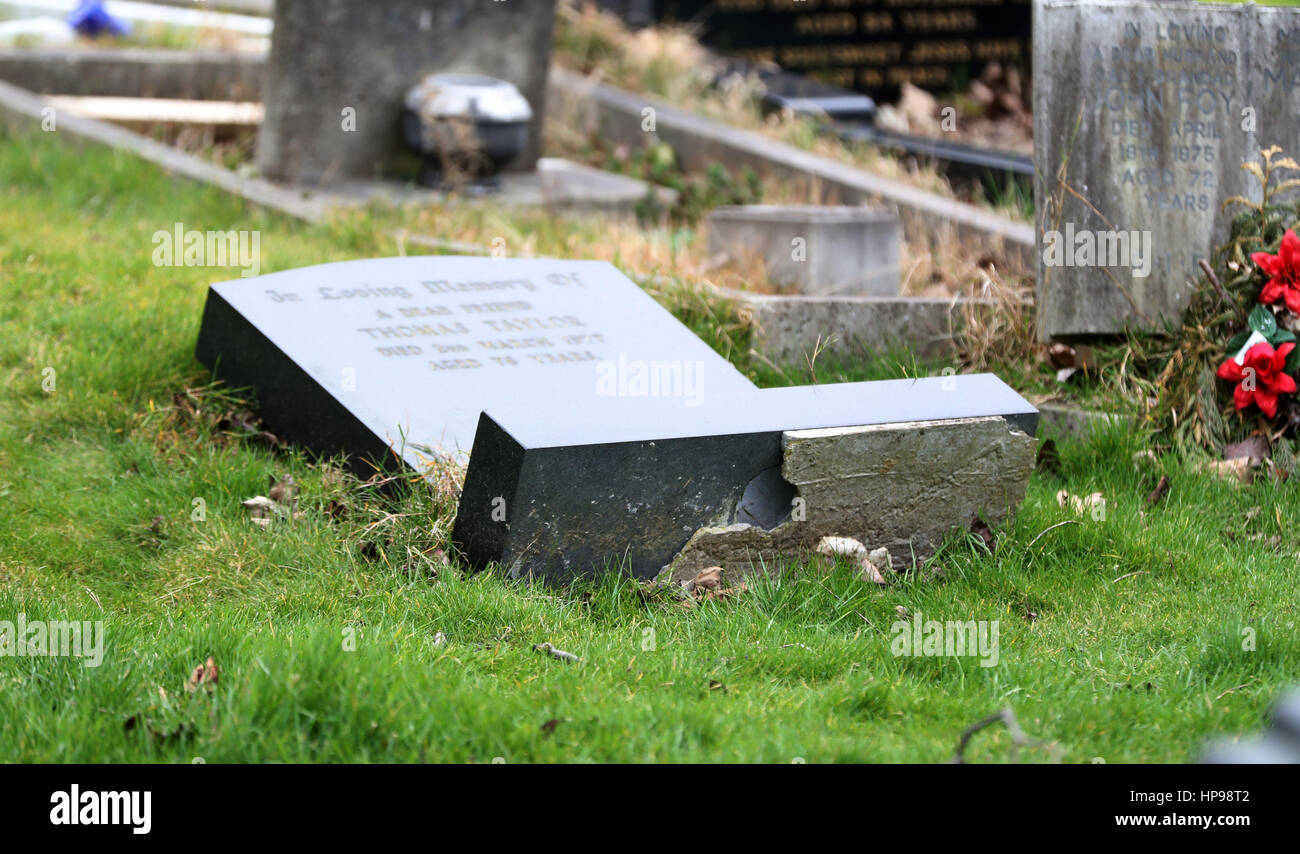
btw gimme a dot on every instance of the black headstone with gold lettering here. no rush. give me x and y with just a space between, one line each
872 46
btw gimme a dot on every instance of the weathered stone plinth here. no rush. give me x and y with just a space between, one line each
811 249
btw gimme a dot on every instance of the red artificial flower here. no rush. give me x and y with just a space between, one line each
1261 377
1283 270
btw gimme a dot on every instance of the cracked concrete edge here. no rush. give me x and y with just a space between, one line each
853 487
203 75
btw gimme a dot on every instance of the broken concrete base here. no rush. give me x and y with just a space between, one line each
902 486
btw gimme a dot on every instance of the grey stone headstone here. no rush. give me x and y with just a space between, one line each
813 249
360 356
328 56
633 484
1150 108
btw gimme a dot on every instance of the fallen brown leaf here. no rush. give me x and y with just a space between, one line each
706 579
204 675
725 592
981 529
1049 458
1236 470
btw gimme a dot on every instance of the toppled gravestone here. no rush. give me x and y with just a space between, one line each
605 435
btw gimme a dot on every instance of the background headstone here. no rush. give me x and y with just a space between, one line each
1152 107
330 56
869 46
360 356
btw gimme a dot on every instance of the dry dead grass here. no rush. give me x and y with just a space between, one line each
998 330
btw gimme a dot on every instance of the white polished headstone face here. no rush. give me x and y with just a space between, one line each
416 348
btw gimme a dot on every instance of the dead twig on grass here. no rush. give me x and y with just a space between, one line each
1161 490
550 650
1018 737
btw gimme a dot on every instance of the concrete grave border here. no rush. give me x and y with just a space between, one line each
591 189
200 75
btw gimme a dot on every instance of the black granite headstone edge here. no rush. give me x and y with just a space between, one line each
501 461
565 512
292 404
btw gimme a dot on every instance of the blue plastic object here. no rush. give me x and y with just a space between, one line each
91 19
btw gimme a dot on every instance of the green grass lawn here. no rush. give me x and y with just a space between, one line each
1121 638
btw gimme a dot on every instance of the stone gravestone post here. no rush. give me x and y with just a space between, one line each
339 69
1146 111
